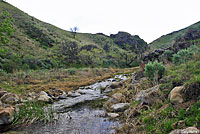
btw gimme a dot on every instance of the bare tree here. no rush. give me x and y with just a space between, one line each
74 30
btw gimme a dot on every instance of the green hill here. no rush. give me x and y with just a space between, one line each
36 44
167 40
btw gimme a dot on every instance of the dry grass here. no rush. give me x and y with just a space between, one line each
65 79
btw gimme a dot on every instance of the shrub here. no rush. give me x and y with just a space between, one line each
167 54
154 71
182 56
177 59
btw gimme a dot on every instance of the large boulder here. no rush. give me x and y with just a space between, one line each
149 96
120 107
43 96
189 130
175 95
6 117
10 98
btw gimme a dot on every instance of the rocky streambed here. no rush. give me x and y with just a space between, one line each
75 112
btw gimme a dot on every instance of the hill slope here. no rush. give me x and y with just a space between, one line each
36 44
167 40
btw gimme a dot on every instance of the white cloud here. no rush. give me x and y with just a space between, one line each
147 18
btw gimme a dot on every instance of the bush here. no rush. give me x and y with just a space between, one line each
167 54
182 56
177 59
154 71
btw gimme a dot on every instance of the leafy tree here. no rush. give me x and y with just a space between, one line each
74 30
154 71
6 27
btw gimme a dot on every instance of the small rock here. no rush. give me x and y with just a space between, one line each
116 85
10 98
107 90
113 115
112 100
105 97
175 95
63 96
43 96
117 96
120 107
189 130
73 94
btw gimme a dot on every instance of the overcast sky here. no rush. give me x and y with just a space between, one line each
149 19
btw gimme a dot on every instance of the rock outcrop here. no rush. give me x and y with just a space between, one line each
135 43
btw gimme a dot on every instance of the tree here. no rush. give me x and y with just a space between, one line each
6 27
74 30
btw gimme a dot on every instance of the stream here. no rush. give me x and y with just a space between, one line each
77 115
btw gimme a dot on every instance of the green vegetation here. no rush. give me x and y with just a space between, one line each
167 40
31 112
182 56
37 45
6 27
154 71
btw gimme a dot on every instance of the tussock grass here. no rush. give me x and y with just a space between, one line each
21 82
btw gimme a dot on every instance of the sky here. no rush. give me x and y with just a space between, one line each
149 19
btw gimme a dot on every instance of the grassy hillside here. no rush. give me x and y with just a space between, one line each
36 44
167 40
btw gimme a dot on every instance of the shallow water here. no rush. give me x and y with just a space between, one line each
80 119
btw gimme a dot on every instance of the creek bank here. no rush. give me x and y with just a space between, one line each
64 106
